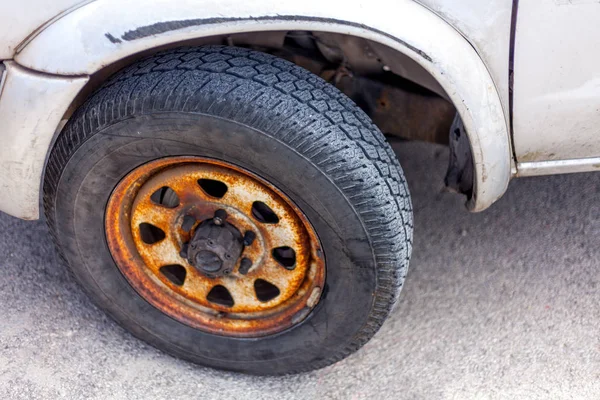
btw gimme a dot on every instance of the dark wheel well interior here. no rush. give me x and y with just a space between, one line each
401 97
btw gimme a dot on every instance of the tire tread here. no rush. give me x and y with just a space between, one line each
244 86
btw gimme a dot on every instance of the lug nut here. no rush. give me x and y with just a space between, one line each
184 251
245 265
220 217
188 223
249 237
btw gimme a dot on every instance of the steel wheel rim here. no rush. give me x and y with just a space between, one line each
143 260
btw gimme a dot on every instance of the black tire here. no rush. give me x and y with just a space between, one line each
280 122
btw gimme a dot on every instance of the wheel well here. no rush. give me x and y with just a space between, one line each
401 97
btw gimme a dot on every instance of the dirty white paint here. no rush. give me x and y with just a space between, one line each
105 31
557 80
486 24
18 19
537 168
31 106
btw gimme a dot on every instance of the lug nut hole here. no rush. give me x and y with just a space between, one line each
263 213
285 256
151 234
213 188
165 196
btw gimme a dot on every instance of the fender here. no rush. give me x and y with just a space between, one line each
105 31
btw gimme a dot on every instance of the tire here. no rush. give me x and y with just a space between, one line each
269 117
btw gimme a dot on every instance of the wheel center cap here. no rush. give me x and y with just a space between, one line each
215 247
208 261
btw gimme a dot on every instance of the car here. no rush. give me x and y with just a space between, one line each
217 175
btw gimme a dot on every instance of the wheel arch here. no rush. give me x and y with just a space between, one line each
100 35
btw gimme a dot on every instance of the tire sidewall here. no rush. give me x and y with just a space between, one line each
104 159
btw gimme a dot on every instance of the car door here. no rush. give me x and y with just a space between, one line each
556 109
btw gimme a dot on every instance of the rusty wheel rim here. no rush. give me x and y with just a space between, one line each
162 209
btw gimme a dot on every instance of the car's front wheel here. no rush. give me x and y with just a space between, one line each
232 209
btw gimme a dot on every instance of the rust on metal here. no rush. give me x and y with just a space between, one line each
131 204
400 109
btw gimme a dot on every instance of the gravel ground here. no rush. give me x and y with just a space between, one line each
503 304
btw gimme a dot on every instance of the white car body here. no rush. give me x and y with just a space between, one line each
544 122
